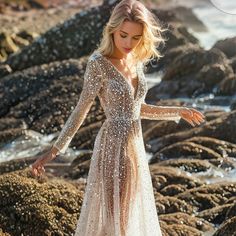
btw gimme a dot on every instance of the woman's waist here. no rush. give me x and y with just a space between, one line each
123 118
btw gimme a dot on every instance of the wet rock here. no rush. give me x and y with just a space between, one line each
215 215
165 176
167 204
11 43
173 189
213 114
228 228
179 40
156 129
189 165
224 148
48 84
184 219
190 150
227 86
220 128
228 46
191 73
186 149
231 212
208 196
79 166
5 70
233 63
189 19
4 233
48 205
178 230
10 135
15 164
73 38
233 106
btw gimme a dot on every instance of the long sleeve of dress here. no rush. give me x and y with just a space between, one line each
153 112
91 86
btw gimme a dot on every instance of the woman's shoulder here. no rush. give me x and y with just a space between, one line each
94 55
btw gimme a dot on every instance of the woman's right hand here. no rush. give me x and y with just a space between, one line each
37 168
192 116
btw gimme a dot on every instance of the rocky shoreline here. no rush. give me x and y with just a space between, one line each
40 82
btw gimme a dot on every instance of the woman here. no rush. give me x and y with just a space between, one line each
119 198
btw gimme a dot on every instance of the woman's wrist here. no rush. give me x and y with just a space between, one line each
54 151
184 110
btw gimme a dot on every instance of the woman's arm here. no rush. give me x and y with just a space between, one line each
91 86
153 112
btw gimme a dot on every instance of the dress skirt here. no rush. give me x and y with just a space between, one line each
119 198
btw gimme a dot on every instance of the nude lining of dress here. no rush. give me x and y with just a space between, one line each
133 91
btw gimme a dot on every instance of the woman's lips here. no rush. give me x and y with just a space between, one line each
127 49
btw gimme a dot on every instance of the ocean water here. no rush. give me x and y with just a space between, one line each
219 23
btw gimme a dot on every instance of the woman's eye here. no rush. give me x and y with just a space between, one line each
124 36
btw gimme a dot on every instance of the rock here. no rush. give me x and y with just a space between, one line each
179 230
215 215
79 166
228 228
11 43
165 176
208 196
48 84
191 73
46 205
167 204
5 70
228 46
74 38
233 63
186 149
10 135
219 128
188 165
184 219
15 164
224 148
190 150
189 19
231 212
4 233
213 114
227 86
179 40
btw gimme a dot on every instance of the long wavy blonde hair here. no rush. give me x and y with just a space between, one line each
135 11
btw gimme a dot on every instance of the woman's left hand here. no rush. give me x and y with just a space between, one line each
192 116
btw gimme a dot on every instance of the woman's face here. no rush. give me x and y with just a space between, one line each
128 36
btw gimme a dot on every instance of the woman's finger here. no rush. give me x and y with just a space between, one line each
200 118
187 114
189 121
195 119
35 172
198 112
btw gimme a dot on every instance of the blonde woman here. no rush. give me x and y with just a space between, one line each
119 198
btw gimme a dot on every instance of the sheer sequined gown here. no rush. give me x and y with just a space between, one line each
119 198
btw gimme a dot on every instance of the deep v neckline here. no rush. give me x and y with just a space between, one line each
134 93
